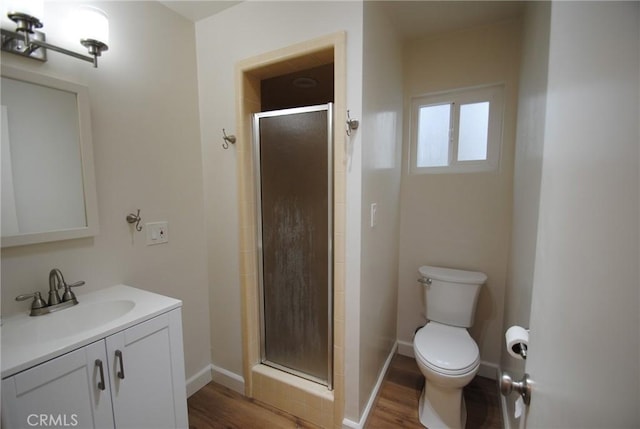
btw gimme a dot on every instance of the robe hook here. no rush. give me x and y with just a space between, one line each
135 218
227 139
352 124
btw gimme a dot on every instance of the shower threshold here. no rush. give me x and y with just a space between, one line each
299 374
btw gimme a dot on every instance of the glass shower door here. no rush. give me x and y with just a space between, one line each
295 229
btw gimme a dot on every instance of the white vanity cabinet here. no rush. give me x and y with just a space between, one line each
131 378
61 392
146 372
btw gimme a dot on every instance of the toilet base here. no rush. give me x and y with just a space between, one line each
442 408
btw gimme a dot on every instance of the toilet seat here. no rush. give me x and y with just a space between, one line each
445 349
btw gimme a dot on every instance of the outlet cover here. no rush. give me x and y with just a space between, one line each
157 232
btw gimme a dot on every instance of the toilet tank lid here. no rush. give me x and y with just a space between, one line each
452 275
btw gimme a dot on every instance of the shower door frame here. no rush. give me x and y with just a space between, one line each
330 209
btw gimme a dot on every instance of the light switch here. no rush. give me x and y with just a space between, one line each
374 214
157 232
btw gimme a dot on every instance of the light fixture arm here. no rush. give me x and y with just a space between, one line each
45 45
27 42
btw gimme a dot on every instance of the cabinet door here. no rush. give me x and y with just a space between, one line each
68 391
146 366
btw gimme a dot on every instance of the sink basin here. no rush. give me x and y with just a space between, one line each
27 341
67 322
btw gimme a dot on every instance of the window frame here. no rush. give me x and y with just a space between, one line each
494 94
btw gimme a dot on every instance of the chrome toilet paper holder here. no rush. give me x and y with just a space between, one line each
520 349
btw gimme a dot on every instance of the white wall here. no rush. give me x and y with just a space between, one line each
460 220
526 180
240 32
381 167
584 313
144 111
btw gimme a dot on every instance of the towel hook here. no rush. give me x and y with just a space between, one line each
135 218
227 139
352 124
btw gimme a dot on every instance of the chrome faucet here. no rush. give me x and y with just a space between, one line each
56 282
56 279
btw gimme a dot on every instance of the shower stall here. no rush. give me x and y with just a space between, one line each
294 209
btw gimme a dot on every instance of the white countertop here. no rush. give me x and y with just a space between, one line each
30 340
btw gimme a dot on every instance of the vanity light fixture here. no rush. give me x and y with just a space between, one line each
91 23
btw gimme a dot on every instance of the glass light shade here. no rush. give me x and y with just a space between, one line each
30 7
90 23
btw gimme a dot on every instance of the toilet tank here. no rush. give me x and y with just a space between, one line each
451 295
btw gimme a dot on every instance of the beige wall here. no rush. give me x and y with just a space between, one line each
244 31
372 174
460 220
381 170
144 111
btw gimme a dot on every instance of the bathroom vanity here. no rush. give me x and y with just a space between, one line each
114 360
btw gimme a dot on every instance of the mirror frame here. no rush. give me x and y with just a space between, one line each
86 157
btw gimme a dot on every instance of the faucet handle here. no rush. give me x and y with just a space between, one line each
38 302
68 295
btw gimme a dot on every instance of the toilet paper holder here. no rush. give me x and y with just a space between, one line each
517 340
521 349
522 387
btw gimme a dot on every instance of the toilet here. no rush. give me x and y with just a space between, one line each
445 352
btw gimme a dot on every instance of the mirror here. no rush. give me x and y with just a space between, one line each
48 185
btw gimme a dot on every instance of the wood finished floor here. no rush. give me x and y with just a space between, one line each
397 402
217 407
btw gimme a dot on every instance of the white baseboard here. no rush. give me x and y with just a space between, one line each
405 348
199 380
228 379
489 370
350 424
219 375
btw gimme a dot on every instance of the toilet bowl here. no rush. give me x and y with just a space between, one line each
448 358
446 354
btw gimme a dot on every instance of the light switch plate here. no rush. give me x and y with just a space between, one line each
157 232
374 214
